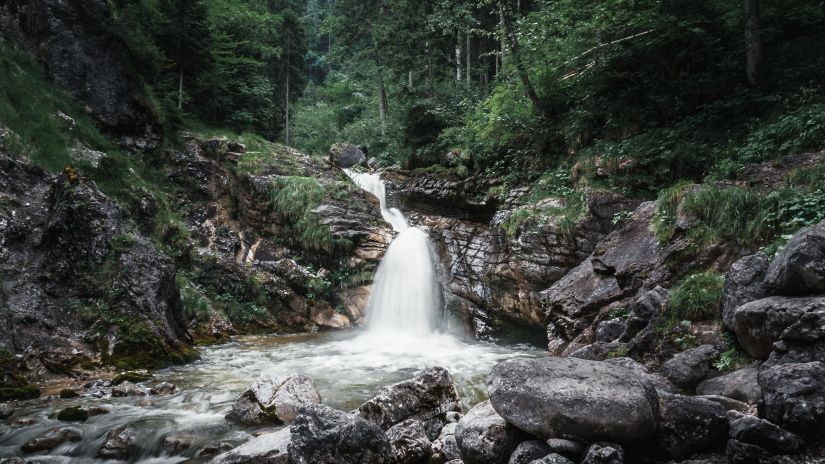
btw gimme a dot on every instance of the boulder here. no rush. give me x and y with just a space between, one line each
174 445
430 394
661 383
759 324
553 459
799 269
273 399
740 385
574 398
345 155
445 447
744 282
484 437
603 453
567 448
120 444
409 442
529 451
729 404
756 431
688 425
270 448
690 367
642 321
52 439
322 435
6 410
610 330
127 388
163 388
794 397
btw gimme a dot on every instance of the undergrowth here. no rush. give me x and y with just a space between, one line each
697 297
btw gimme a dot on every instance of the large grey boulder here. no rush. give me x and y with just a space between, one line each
484 437
756 431
660 382
270 448
744 282
688 425
690 367
574 398
794 397
429 395
345 155
322 435
740 385
799 269
273 399
409 442
759 324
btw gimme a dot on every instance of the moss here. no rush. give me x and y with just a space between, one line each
13 384
132 376
73 414
67 393
26 392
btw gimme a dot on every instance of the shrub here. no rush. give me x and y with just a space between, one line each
731 214
697 297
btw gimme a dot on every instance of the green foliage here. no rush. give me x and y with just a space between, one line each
667 205
731 214
294 198
733 357
697 297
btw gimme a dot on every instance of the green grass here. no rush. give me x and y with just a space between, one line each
667 205
697 297
811 178
731 214
294 198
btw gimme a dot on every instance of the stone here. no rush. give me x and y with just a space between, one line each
273 399
483 436
445 447
729 404
740 385
759 324
794 397
640 332
746 453
567 448
6 410
52 439
73 414
174 445
688 425
603 453
660 382
744 282
322 435
756 431
610 330
120 444
799 269
428 395
127 388
270 448
409 442
345 155
326 316
529 451
553 459
136 376
68 393
573 398
163 388
690 367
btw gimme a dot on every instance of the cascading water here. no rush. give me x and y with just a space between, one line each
405 294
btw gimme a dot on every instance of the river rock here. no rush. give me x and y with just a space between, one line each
120 444
794 397
127 388
744 282
270 448
52 439
409 442
322 435
483 436
759 324
529 451
273 398
642 321
163 388
756 431
740 385
174 445
604 453
799 269
6 410
574 398
690 367
430 394
73 414
688 425
553 459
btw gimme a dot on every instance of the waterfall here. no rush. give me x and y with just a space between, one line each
405 294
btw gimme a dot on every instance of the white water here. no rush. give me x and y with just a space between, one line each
372 183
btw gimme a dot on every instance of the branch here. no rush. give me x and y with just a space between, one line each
598 47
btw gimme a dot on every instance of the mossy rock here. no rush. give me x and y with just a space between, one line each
67 393
73 414
25 392
136 376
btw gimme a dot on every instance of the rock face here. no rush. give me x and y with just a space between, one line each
273 399
800 268
430 395
483 436
322 435
740 385
743 283
574 398
794 397
690 367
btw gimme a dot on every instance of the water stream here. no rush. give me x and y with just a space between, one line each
404 334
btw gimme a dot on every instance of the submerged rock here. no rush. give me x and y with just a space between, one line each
120 444
484 437
273 399
322 435
574 398
52 439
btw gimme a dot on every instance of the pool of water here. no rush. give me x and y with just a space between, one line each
347 367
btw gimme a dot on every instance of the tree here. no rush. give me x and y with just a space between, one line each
753 42
515 51
187 40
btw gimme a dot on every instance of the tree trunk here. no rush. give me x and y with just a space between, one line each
503 33
522 70
753 42
180 88
469 61
286 98
458 57
410 79
430 71
382 104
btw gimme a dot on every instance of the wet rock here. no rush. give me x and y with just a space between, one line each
744 283
688 425
12 461
120 444
326 316
175 445
483 436
127 388
553 459
163 388
544 397
794 397
430 394
345 155
603 453
690 367
52 439
610 330
6 410
136 376
68 393
270 448
759 324
22 422
322 435
567 448
756 431
409 442
799 269
73 414
529 451
445 447
740 385
273 399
